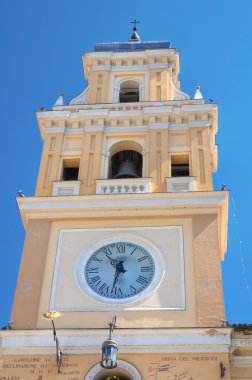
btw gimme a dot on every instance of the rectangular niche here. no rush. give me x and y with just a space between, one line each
74 244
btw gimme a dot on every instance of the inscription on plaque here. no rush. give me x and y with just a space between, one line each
77 367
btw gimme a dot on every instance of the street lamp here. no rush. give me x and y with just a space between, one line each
109 348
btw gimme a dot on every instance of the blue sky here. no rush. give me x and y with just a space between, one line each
41 46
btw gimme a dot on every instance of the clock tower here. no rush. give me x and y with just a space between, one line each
125 222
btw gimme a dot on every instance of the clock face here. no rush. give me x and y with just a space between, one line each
119 270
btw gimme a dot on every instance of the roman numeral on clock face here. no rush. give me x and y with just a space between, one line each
95 258
142 258
141 279
95 279
116 291
132 289
145 269
107 251
92 270
120 249
133 250
104 288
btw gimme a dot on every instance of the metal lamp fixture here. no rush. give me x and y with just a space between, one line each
51 315
109 349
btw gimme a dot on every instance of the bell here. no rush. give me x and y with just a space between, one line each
127 170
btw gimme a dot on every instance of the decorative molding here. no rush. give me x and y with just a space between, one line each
178 127
241 361
199 124
241 342
130 129
120 364
130 69
66 188
80 99
81 341
121 204
177 93
211 332
164 125
180 184
188 105
134 54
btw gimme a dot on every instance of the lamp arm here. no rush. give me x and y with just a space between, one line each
58 350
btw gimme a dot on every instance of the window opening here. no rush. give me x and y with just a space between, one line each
180 166
126 164
129 92
70 170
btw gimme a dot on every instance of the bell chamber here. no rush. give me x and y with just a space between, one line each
126 164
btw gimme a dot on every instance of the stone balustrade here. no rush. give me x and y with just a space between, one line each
123 186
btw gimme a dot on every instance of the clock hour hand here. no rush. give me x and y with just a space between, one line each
119 269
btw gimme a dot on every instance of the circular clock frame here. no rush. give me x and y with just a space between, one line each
145 291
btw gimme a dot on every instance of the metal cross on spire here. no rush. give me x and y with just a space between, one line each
135 37
135 22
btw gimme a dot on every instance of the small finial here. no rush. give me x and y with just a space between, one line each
135 37
60 100
198 94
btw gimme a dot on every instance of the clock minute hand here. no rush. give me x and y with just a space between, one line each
113 262
116 276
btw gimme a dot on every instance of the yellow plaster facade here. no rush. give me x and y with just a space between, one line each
164 202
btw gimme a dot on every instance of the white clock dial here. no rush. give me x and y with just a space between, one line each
119 270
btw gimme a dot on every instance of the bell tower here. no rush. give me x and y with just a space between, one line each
125 221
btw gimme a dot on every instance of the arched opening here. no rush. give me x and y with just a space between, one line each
126 164
113 375
123 371
129 92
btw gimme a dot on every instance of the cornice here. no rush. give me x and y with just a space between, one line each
136 68
89 341
74 111
126 205
129 54
102 114
123 129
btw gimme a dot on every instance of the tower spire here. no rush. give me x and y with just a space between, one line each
135 36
